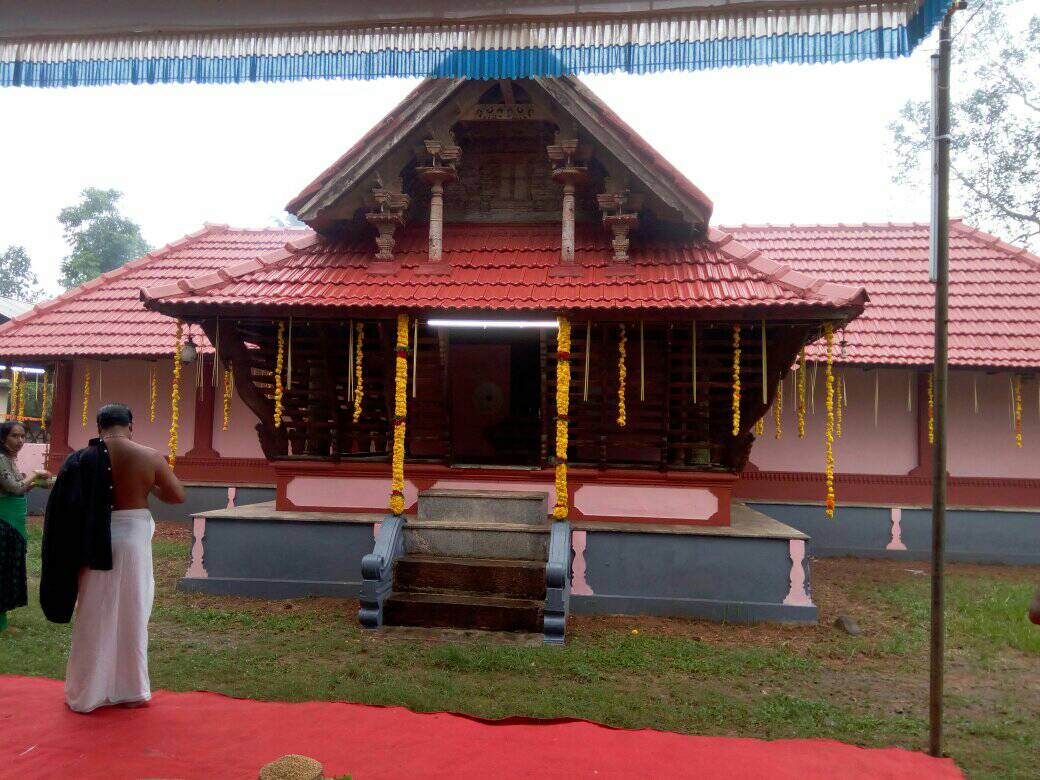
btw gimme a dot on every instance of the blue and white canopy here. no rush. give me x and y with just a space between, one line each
66 43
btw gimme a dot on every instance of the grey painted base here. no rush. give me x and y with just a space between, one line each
724 578
756 570
972 535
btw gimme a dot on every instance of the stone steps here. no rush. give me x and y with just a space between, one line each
469 539
486 576
479 506
460 610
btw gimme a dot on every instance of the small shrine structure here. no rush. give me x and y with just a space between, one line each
507 294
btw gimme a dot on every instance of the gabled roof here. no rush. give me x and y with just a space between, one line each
513 267
994 290
104 317
568 93
11 307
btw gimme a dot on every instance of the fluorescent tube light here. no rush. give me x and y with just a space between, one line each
492 323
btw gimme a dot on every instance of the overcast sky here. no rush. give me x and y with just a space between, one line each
768 144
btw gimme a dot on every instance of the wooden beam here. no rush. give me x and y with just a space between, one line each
507 91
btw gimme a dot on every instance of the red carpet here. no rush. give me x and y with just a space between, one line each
204 735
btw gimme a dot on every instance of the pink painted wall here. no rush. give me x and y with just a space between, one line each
126 381
983 444
31 457
890 447
240 439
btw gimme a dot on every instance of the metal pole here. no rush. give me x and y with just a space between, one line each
941 243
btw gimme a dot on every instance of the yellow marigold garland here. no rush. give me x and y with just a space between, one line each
1018 410
21 396
153 391
778 408
931 408
86 394
840 401
801 394
359 384
175 395
622 370
563 399
828 330
228 392
279 363
43 404
400 415
760 426
736 380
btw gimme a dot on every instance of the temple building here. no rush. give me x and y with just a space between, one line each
511 369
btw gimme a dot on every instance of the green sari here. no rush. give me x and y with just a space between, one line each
13 510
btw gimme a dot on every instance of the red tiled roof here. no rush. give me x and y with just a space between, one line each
510 267
994 290
105 316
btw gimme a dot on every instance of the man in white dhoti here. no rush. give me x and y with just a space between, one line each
108 662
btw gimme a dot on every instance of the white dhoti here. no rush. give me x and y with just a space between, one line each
108 662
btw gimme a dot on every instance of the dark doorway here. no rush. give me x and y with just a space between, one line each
495 405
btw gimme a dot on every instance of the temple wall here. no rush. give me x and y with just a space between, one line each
126 381
240 439
888 448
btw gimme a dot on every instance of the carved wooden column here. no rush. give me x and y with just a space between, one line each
59 448
387 217
569 175
619 222
442 170
202 444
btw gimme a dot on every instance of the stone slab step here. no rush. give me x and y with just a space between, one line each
512 541
490 576
508 506
462 611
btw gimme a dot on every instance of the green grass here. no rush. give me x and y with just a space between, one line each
681 676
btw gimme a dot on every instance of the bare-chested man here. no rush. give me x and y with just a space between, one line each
113 477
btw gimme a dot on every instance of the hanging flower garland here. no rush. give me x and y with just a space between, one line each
828 331
801 394
279 363
400 415
229 387
839 392
1018 410
736 380
563 398
153 391
175 395
622 370
21 396
931 408
43 404
359 384
86 394
778 408
760 426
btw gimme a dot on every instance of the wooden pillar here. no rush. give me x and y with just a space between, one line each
59 423
205 394
924 447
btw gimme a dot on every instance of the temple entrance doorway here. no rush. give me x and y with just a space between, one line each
495 397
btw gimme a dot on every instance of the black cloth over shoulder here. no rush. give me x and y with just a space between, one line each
77 530
13 593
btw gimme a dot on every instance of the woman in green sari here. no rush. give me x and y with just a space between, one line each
13 537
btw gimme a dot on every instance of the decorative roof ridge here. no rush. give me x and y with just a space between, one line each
40 309
784 275
819 225
196 284
993 242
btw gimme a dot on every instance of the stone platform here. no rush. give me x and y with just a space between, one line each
756 569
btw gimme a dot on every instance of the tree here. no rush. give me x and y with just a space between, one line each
995 152
17 279
101 238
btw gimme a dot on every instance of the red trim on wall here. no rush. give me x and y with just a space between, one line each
888 489
424 475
